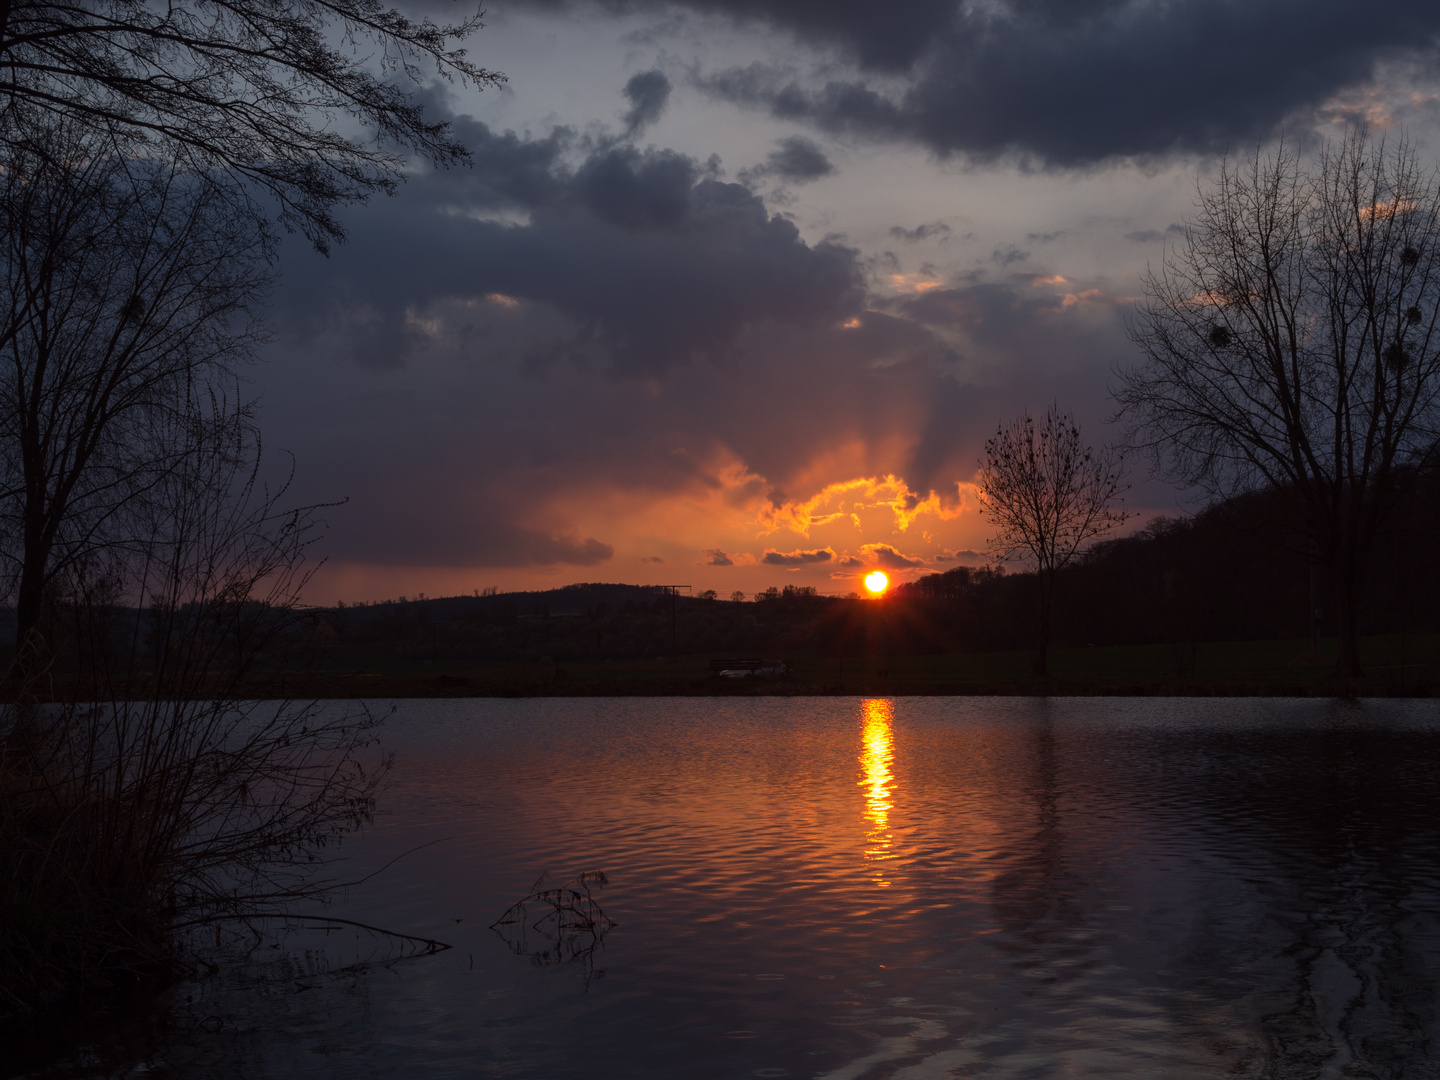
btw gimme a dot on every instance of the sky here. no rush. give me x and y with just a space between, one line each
734 291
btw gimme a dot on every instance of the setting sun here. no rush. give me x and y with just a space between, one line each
877 582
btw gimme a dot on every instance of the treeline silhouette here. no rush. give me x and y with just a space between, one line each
1233 572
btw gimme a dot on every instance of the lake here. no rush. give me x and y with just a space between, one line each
864 888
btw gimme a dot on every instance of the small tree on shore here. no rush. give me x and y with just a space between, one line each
1047 494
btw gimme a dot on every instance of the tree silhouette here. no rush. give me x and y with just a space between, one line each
282 94
1047 494
129 296
1291 343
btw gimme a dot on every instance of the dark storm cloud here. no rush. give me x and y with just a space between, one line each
638 192
462 458
555 285
1072 82
716 557
647 260
648 93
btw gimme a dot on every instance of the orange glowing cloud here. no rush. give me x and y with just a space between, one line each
846 499
913 283
711 531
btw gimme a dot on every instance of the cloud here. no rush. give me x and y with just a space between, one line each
716 557
844 500
1069 82
964 555
888 558
798 160
1008 255
648 93
796 558
1154 236
652 559
925 231
581 344
639 260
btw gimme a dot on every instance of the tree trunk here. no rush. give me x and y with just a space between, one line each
28 646
1042 647
29 655
1347 618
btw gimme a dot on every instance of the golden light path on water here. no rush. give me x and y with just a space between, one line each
876 756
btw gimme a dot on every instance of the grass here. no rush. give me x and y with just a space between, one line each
1396 665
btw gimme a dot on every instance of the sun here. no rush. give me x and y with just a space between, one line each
877 582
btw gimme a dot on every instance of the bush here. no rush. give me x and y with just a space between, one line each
142 792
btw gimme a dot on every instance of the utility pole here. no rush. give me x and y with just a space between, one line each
674 591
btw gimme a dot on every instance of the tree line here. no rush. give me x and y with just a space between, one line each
1290 357
1224 573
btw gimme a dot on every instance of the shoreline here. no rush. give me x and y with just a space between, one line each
363 687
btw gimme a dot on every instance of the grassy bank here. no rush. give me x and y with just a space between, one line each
1396 665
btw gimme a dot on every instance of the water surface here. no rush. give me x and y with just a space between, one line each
868 888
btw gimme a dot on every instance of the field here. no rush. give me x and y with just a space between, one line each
1396 665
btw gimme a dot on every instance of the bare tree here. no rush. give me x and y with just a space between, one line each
1291 343
1047 494
142 786
283 94
129 292
148 790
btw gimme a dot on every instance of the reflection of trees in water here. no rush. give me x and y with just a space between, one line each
560 925
1036 897
1328 922
1310 891
263 1004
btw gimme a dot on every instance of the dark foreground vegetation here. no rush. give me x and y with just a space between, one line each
145 153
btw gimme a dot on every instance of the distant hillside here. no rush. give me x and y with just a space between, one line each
566 600
1235 571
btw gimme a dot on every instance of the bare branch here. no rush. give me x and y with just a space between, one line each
259 89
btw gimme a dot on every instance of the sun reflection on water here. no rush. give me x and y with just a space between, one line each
876 755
